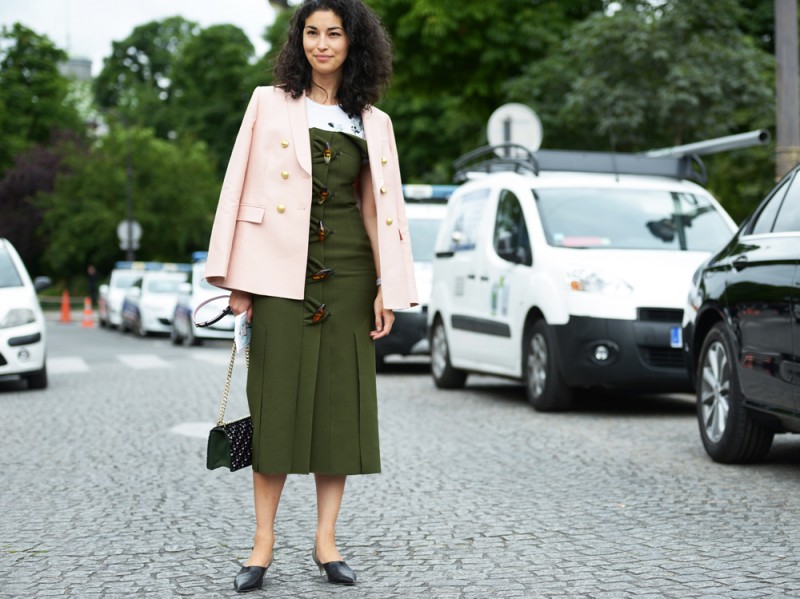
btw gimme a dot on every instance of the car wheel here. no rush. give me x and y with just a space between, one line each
191 339
380 363
444 375
140 330
544 384
38 379
728 430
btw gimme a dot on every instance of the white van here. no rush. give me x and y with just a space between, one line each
22 329
568 280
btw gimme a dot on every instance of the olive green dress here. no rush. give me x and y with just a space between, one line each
311 382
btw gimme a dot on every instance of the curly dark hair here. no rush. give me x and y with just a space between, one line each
366 71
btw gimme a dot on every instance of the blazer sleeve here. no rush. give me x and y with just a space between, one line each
222 231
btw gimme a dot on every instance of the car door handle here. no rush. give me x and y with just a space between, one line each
740 263
484 278
471 277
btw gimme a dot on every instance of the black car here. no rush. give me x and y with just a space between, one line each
742 332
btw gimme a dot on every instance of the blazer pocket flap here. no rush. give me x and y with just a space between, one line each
250 213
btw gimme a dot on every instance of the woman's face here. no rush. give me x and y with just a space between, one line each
325 42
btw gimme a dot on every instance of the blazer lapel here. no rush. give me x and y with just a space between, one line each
298 122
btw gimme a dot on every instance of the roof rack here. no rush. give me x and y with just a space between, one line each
678 162
495 158
517 158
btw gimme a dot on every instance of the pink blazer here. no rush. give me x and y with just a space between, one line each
259 241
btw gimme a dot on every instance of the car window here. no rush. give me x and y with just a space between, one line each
9 277
766 218
511 241
123 280
423 237
163 285
630 219
465 219
788 219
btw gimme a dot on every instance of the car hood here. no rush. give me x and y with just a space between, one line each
657 278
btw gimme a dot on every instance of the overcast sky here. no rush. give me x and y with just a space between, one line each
86 28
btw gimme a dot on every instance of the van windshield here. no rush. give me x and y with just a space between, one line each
9 277
630 219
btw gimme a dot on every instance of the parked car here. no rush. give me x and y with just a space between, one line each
742 332
568 280
112 294
23 337
191 295
426 206
150 302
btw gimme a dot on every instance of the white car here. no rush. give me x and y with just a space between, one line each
426 206
568 280
191 295
150 302
23 338
112 295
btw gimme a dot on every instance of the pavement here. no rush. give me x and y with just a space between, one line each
105 494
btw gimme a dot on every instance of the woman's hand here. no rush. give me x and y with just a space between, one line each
384 318
241 301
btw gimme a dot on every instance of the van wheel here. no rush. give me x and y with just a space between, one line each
444 375
38 379
544 385
729 433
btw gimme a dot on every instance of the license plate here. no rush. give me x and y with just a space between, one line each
676 337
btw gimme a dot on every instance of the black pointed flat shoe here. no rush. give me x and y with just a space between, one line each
337 572
250 578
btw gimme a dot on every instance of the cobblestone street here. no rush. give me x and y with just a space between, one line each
479 497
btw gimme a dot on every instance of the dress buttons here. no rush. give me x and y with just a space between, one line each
383 190
284 143
281 208
384 160
285 175
389 220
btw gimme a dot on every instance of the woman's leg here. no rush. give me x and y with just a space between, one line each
266 493
330 489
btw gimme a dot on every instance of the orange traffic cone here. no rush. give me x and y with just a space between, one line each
66 317
88 317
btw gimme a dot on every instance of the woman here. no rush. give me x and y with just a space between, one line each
318 261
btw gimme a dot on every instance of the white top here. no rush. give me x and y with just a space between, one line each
333 118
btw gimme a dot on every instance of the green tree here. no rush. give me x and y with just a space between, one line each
136 79
452 59
174 194
32 92
655 75
213 80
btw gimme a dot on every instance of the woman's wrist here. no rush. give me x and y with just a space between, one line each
378 282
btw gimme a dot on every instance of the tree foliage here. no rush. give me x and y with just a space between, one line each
32 92
213 80
452 58
174 194
136 80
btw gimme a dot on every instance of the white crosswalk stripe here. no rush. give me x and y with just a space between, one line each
217 359
66 365
144 361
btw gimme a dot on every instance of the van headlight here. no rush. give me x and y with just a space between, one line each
17 317
594 282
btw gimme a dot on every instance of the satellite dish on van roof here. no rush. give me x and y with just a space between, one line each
516 124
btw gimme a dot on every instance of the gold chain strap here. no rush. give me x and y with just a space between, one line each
226 391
